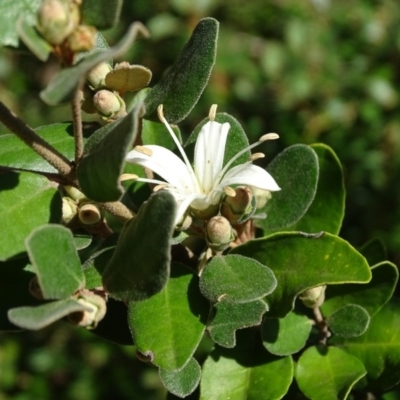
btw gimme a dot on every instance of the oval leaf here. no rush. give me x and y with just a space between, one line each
374 251
236 279
350 321
128 79
180 89
168 326
300 262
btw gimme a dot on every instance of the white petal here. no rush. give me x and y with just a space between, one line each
209 153
250 175
183 205
165 164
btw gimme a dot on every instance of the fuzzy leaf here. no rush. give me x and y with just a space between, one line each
180 89
103 14
300 263
374 251
168 326
349 321
140 265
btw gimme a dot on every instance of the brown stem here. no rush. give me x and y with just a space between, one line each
321 324
35 142
117 209
77 123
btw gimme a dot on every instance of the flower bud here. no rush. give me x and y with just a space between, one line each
219 233
108 104
262 196
83 38
74 193
239 208
313 297
89 214
69 210
86 98
97 76
97 306
206 214
57 19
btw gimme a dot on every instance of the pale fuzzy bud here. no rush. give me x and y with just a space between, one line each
97 306
74 193
262 196
206 214
238 208
83 38
219 233
313 297
69 210
57 19
86 97
108 104
96 77
89 214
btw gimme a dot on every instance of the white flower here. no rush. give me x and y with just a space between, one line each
203 185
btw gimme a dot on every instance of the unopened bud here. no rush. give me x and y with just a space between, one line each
219 233
57 19
206 214
89 214
83 38
108 104
97 76
239 208
86 97
97 306
69 210
313 297
262 196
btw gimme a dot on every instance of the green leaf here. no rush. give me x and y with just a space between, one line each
180 89
296 172
326 212
99 180
168 326
10 12
285 336
349 321
35 43
63 85
182 382
327 373
236 279
26 201
374 251
94 267
156 133
103 14
230 317
300 263
14 153
378 348
247 371
371 296
38 317
52 252
139 267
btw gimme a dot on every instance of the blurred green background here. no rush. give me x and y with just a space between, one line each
312 71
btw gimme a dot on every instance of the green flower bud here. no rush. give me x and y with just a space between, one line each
69 210
239 208
86 97
97 308
83 38
97 76
89 214
74 193
219 233
206 214
109 104
313 297
57 19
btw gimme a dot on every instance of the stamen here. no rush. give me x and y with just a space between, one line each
213 111
229 191
268 136
256 156
128 177
178 145
144 150
160 187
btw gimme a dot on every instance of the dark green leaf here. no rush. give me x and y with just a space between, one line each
168 326
247 371
38 317
180 89
104 157
26 201
182 382
156 133
10 12
62 87
371 296
103 14
139 267
236 279
230 317
327 373
349 321
374 251
285 336
300 263
327 209
52 252
296 172
94 267
378 348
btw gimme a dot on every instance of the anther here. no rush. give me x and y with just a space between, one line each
213 111
256 156
128 177
160 187
144 150
160 113
268 136
229 191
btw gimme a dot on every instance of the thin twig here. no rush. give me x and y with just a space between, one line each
322 325
35 142
77 124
